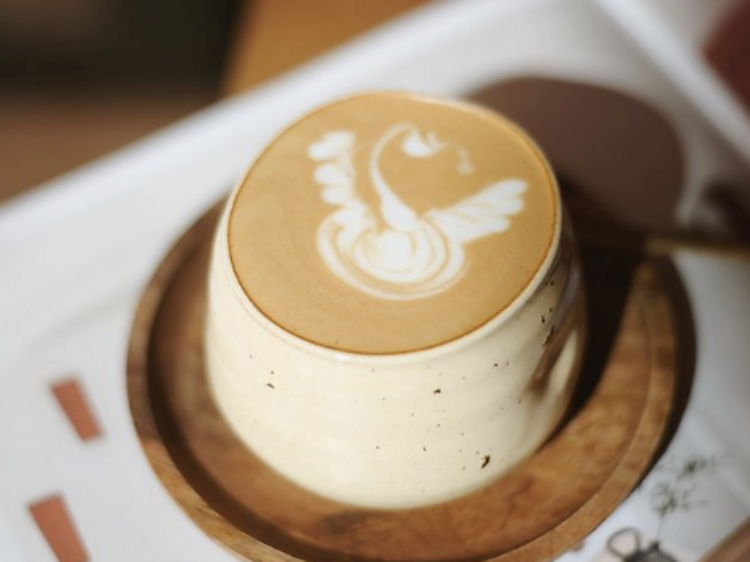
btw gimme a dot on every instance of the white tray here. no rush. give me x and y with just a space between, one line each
75 253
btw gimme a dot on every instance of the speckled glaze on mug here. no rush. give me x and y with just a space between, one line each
392 422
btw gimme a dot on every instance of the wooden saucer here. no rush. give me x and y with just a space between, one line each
545 506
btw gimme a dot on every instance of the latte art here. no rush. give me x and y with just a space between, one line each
386 224
392 252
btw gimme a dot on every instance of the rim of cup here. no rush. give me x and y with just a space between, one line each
461 342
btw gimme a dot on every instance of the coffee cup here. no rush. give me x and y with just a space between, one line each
395 309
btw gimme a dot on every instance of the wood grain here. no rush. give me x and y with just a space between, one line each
272 37
735 548
545 506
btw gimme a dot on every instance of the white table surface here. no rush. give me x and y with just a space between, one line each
76 252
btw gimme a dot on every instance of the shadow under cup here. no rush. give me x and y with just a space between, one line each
400 430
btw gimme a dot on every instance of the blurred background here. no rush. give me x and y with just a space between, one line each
81 78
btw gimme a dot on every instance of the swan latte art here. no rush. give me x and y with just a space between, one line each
388 223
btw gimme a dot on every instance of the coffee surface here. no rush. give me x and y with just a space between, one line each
387 223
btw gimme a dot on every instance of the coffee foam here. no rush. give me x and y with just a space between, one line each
387 223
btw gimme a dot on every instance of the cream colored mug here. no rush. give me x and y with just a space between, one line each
395 304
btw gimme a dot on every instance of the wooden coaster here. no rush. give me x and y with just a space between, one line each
545 506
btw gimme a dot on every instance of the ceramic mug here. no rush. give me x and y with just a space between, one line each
394 430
